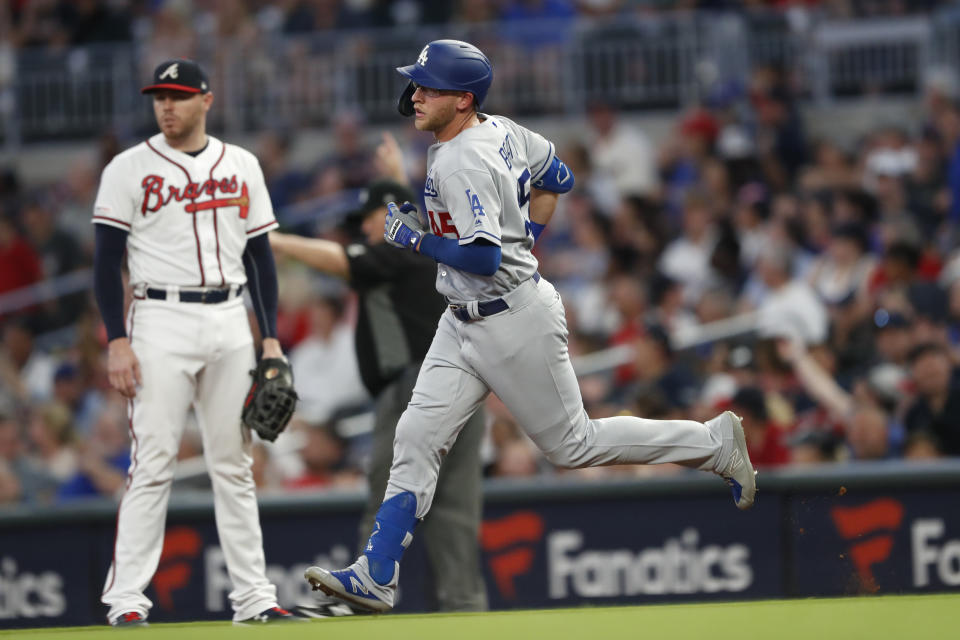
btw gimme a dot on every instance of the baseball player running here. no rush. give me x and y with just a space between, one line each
192 214
397 317
504 329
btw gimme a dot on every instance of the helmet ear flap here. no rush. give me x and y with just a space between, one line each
405 103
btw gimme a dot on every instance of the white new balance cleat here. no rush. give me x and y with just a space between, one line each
355 586
738 473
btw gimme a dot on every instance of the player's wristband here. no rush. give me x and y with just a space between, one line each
536 229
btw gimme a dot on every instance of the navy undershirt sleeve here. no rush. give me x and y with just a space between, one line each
110 245
480 257
262 280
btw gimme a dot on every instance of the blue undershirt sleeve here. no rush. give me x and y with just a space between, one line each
262 280
480 256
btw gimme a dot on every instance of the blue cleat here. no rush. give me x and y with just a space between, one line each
738 472
355 586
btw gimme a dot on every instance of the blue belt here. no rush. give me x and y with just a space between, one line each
484 308
207 296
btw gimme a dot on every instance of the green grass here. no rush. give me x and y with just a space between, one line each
870 618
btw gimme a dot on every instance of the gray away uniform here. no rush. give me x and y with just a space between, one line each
478 186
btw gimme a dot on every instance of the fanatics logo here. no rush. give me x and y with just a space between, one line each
510 544
181 548
869 528
170 72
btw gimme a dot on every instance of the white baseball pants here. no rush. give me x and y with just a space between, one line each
200 355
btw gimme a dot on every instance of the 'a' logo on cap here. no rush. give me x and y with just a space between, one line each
422 60
172 72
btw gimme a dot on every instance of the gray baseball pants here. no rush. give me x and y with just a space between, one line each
521 355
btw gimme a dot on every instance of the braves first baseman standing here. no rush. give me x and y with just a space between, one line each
192 214
504 330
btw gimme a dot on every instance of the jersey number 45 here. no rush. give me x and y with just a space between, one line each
441 223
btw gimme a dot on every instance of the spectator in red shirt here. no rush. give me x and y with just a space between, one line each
764 437
19 264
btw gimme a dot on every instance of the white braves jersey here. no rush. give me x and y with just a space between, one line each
478 186
188 218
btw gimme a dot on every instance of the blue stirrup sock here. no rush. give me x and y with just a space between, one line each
392 534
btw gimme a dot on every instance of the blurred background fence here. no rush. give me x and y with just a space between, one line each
553 67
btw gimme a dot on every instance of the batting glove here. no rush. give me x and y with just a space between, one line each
402 226
411 217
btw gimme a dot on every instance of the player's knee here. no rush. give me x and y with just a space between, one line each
573 453
563 456
413 427
414 444
152 477
407 432
234 472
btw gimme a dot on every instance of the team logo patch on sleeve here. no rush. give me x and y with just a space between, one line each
475 206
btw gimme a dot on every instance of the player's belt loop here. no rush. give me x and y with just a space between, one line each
473 310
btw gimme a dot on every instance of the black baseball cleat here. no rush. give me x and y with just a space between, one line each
130 619
271 615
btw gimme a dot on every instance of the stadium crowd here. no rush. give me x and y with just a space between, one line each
840 266
55 24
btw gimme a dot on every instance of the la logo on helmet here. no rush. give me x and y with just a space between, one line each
422 59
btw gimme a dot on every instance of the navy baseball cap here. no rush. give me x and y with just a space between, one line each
178 75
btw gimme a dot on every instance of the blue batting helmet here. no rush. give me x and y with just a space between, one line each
447 64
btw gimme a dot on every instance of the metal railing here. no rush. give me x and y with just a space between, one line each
548 67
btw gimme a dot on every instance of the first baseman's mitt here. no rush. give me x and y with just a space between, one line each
271 399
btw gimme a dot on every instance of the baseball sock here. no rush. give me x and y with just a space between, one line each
392 534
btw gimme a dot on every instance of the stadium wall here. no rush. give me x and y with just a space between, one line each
854 529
